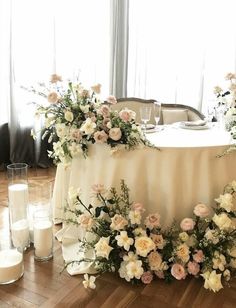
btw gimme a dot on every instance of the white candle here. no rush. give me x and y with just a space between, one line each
18 200
11 265
20 233
43 239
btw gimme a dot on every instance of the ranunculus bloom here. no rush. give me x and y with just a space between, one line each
53 97
152 221
193 268
198 256
147 277
111 100
201 210
178 271
115 133
187 224
100 136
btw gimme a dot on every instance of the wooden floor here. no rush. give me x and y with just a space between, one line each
44 286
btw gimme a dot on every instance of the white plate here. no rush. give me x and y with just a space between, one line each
200 127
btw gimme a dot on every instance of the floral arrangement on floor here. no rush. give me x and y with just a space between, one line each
140 251
76 117
226 102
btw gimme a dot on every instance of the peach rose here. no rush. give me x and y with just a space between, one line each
183 252
85 221
105 111
115 133
154 261
53 97
126 115
187 224
201 210
193 268
96 88
143 245
152 221
111 99
178 271
158 240
100 136
55 78
147 277
118 222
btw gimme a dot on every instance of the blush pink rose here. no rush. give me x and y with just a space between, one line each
125 115
98 188
111 99
193 268
178 271
187 224
147 277
104 110
152 221
115 133
100 137
198 256
201 210
138 207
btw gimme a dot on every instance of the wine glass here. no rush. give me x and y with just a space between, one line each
157 112
145 114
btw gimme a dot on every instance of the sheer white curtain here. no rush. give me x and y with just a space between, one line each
179 50
41 37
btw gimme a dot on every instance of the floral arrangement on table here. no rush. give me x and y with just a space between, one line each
140 251
76 117
226 102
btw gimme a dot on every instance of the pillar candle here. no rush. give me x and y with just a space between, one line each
11 265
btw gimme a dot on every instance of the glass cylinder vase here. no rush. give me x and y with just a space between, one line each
43 235
18 204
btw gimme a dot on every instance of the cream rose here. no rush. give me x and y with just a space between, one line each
201 210
115 133
88 127
222 221
143 245
158 240
118 222
85 221
178 271
182 252
111 100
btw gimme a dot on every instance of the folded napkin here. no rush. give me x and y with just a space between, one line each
195 123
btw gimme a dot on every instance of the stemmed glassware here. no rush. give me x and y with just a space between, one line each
145 114
157 112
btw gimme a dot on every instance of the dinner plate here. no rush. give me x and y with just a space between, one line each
200 127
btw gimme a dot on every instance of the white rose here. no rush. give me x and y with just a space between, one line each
88 127
212 281
69 116
222 221
102 247
115 133
61 130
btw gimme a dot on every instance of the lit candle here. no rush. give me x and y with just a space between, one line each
20 233
11 265
18 200
43 239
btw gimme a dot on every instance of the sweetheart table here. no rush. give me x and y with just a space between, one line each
172 180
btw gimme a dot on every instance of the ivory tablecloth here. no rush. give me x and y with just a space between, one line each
171 181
